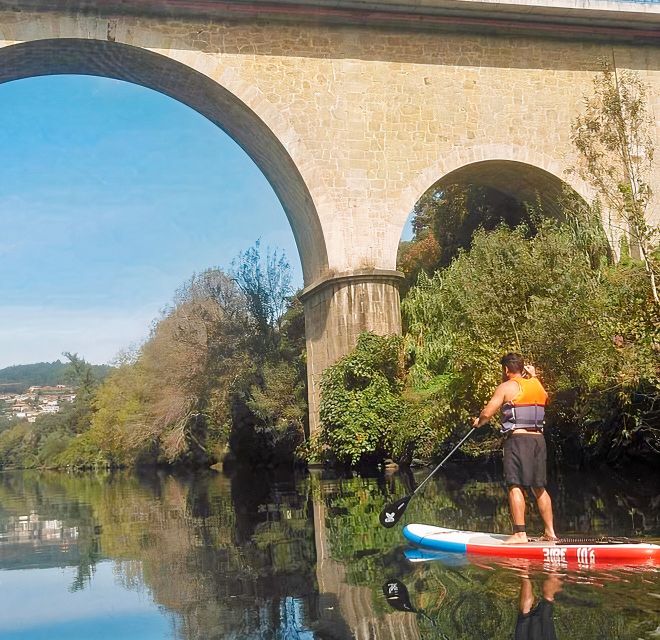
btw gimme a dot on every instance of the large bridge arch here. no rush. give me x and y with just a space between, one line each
149 69
105 58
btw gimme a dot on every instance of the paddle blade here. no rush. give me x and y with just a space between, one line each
392 513
397 596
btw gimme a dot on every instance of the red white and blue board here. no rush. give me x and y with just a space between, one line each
487 544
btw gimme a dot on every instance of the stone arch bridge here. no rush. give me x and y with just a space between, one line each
354 108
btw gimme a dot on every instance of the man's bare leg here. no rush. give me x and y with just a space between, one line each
544 503
517 506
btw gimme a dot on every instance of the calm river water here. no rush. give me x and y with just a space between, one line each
254 555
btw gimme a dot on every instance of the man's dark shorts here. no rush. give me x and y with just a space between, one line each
525 460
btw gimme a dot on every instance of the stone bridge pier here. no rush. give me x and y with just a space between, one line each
352 109
339 308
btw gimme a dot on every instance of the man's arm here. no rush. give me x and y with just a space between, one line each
492 406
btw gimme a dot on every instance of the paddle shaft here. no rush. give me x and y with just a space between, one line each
449 455
392 513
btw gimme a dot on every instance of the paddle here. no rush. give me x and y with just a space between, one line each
396 594
392 512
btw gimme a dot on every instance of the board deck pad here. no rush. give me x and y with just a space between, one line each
583 551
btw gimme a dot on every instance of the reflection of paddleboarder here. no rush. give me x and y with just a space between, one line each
535 622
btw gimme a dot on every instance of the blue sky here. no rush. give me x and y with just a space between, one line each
111 196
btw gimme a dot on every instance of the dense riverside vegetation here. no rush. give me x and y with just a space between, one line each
222 371
592 330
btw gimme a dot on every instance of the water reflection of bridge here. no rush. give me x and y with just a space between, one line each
349 606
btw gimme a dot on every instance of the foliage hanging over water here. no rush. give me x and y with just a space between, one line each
362 411
587 323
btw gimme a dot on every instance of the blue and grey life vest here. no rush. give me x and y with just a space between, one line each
527 409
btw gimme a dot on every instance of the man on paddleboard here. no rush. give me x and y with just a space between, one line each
522 399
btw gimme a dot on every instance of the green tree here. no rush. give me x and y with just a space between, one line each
614 139
223 366
269 404
266 284
444 221
81 376
211 374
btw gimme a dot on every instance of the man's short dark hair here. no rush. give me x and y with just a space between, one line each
513 362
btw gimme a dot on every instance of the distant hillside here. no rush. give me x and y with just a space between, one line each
19 377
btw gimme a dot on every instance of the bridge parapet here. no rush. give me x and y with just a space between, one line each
637 20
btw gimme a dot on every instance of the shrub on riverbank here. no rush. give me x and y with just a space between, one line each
361 403
588 326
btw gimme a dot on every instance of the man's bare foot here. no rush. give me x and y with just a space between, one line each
516 538
549 536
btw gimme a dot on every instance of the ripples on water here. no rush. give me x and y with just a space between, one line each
155 556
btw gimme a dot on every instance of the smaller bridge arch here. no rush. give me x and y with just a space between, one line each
516 172
517 180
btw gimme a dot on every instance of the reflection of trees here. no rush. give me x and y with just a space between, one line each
261 556
223 572
47 498
481 601
226 573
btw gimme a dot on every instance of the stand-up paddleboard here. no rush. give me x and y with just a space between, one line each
582 551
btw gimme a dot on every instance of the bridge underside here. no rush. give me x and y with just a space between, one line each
521 182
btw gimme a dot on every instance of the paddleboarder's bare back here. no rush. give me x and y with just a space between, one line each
522 399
